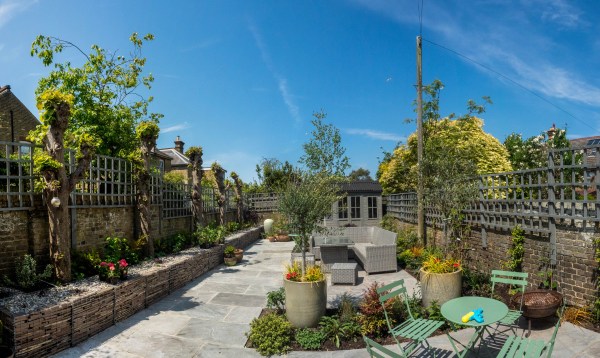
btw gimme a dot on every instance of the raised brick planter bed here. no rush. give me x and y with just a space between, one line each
55 328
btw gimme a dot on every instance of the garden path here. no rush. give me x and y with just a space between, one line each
210 316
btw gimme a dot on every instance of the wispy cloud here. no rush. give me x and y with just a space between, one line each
499 44
8 9
282 84
374 134
177 127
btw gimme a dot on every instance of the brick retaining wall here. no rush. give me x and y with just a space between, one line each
575 269
56 328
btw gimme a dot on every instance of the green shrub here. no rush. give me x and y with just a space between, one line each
310 339
333 328
475 283
270 334
372 318
172 244
276 299
116 248
346 310
232 227
209 235
84 263
26 273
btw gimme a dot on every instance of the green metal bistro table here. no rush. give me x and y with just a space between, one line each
453 310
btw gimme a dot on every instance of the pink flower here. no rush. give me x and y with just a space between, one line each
123 263
103 264
111 266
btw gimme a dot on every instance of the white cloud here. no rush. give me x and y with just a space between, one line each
282 84
374 134
8 8
175 128
560 12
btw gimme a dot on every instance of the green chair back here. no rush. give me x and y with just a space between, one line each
395 289
377 350
561 311
511 278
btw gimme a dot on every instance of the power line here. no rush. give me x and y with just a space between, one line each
511 81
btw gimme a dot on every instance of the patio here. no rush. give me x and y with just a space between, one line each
209 316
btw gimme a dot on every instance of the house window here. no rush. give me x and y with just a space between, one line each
355 207
343 208
372 206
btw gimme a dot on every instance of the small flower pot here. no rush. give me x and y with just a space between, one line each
230 261
239 255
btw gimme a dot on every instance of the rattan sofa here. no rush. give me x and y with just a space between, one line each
373 247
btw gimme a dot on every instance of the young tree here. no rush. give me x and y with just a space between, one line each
273 174
220 189
195 156
324 152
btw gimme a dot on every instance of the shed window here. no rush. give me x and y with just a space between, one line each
343 208
355 207
372 206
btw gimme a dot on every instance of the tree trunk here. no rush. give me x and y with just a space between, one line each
143 206
197 209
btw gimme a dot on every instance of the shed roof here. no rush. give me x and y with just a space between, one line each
362 186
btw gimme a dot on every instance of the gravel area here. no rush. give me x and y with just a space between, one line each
18 302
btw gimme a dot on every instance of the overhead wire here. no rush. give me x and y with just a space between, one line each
510 80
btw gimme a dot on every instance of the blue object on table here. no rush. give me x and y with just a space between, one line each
476 315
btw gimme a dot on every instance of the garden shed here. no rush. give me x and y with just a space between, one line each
361 206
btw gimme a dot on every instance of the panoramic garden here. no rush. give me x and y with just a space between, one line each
95 227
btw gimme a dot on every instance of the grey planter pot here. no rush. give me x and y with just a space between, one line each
440 287
305 302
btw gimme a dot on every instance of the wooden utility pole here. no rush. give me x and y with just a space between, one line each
421 232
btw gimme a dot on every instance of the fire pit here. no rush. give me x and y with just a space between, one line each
538 304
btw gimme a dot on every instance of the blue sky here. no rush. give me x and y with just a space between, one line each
242 78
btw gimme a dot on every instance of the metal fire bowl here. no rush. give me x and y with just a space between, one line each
538 303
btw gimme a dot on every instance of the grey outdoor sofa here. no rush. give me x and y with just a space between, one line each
373 247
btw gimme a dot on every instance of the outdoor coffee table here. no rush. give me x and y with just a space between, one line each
453 310
334 250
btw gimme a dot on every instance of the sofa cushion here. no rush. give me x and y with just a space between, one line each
360 249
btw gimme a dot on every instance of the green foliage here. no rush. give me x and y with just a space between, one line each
310 339
475 283
274 175
105 100
276 299
209 235
346 309
116 249
270 334
337 330
436 264
229 251
232 227
172 244
43 162
360 174
174 178
26 273
324 152
516 250
412 258
84 263
454 150
532 152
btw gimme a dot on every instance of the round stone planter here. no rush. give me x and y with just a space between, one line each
305 302
230 261
440 287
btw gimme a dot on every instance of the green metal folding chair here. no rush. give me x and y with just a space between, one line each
531 348
417 330
518 279
377 350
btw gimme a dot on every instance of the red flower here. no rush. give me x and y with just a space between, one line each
123 263
456 264
103 264
111 266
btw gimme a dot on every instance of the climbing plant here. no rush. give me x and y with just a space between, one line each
516 250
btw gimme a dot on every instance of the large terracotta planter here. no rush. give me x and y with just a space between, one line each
440 287
305 302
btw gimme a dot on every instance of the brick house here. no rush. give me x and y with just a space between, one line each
179 162
361 207
15 119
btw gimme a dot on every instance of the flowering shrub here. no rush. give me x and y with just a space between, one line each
109 271
435 264
294 273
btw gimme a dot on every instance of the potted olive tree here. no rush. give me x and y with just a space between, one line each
305 201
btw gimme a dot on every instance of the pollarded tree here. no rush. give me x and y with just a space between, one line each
238 186
220 189
324 152
195 156
53 134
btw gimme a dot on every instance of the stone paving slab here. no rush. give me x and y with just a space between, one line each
209 317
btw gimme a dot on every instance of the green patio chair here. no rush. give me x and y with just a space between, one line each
377 350
417 330
518 279
531 348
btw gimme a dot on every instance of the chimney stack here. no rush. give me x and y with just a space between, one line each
179 145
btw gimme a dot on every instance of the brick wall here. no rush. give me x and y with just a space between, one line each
575 267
